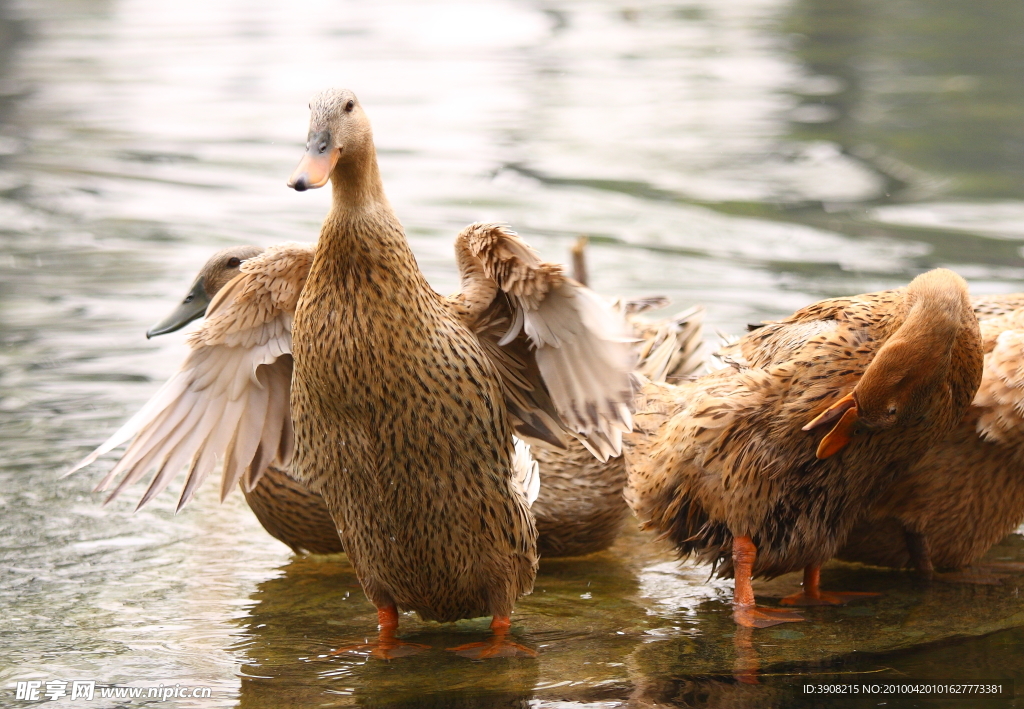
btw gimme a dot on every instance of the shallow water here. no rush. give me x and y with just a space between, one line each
751 155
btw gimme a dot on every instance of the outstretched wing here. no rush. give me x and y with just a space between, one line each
230 400
563 354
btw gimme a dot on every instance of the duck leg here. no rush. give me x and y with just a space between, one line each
812 595
981 574
920 553
745 612
387 646
499 645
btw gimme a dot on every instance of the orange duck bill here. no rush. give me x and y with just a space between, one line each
844 413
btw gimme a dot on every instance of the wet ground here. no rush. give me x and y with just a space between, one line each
752 155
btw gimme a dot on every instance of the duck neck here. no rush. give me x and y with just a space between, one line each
940 310
937 342
361 235
356 182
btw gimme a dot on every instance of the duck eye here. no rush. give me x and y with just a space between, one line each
350 105
234 262
892 410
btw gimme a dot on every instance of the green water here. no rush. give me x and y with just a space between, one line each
751 155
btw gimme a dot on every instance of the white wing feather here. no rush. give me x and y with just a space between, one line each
580 345
527 471
584 356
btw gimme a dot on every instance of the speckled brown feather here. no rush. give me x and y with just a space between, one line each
967 492
580 509
400 425
399 415
543 329
725 455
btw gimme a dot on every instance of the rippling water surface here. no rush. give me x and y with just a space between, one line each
751 155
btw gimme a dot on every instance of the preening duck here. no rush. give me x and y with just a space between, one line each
763 466
966 492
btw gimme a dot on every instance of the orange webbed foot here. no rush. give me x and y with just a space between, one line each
494 647
745 612
498 645
387 647
824 598
759 617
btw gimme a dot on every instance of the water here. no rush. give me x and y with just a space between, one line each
751 155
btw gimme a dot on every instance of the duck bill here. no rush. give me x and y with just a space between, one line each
192 308
839 437
844 415
314 169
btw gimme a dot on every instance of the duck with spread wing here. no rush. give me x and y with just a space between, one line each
579 509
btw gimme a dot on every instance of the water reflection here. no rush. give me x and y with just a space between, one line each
583 618
752 155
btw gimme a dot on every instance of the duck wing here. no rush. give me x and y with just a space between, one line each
230 399
836 322
562 353
526 471
671 348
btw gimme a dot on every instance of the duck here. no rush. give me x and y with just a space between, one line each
580 509
403 402
230 399
284 507
763 466
966 493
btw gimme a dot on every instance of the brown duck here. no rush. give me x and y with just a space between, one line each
403 402
762 467
967 492
581 509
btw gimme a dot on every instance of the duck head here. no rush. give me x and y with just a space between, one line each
339 134
215 274
912 370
